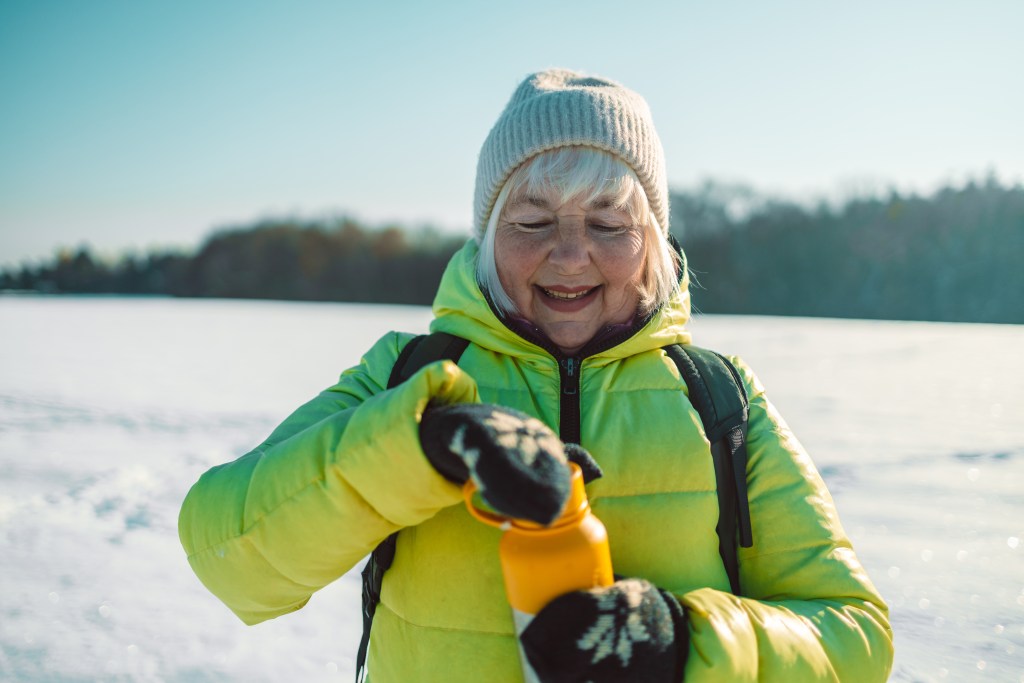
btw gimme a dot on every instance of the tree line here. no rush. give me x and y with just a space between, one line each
327 260
954 255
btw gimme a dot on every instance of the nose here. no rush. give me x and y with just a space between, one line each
570 254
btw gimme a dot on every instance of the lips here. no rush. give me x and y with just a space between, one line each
567 296
567 299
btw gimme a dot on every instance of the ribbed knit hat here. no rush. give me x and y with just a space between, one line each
561 108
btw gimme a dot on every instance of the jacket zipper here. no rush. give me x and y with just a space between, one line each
569 370
569 412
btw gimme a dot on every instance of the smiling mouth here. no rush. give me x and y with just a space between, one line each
567 296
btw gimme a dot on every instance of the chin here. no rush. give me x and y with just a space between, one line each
568 346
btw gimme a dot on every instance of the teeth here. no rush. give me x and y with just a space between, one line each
567 296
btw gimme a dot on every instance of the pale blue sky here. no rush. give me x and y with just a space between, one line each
131 124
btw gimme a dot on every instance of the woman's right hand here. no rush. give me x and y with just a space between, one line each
517 462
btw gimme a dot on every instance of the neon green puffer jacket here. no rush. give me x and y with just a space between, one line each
266 531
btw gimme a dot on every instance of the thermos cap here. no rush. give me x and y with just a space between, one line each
575 507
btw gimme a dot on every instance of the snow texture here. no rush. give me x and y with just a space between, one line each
110 408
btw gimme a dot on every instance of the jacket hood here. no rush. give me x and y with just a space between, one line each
460 308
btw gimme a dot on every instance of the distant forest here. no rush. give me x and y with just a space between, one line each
957 255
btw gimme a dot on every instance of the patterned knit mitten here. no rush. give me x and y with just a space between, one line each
630 631
516 461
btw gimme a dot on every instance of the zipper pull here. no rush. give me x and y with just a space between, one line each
570 384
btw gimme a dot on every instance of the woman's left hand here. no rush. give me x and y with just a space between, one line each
629 631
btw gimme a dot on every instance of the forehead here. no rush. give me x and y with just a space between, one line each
550 198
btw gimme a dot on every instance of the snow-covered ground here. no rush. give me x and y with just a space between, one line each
110 408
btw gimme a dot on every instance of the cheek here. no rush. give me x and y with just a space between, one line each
625 264
513 265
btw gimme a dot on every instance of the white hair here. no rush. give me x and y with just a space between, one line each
585 174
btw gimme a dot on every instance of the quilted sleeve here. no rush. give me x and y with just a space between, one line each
809 611
264 532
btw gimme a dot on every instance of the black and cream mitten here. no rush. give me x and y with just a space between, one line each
629 631
516 461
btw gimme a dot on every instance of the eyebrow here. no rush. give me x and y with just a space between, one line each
534 200
543 203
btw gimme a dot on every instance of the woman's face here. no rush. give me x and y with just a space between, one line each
570 269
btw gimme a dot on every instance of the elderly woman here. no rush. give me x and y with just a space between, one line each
568 295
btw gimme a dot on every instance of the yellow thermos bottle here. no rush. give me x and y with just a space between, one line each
540 563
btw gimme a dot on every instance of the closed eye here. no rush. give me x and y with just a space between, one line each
610 229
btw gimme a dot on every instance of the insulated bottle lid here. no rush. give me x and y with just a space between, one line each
575 507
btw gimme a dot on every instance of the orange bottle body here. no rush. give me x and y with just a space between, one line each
540 563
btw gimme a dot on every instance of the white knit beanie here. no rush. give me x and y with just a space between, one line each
561 108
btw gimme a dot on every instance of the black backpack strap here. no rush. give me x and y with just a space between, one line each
418 353
423 350
373 578
718 395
